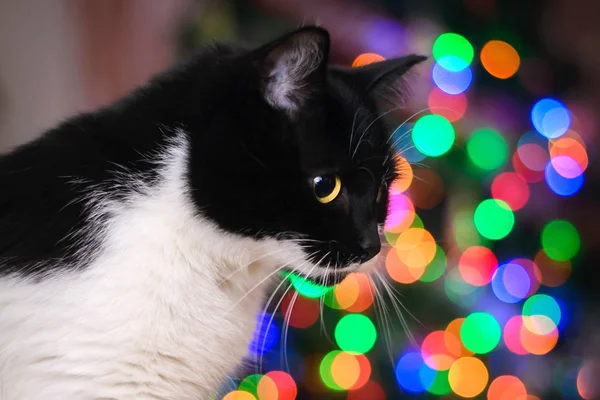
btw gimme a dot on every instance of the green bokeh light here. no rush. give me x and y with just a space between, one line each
453 51
433 135
487 149
436 268
560 240
440 385
250 384
494 219
541 304
355 332
480 333
325 370
307 288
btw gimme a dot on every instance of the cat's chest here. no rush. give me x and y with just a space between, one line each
143 320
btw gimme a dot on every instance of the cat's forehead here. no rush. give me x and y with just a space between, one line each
344 134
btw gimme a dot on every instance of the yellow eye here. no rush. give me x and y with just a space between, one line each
327 187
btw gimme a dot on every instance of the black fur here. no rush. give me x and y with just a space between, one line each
250 168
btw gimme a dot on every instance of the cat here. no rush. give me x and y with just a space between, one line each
138 240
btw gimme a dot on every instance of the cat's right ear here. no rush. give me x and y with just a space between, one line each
293 68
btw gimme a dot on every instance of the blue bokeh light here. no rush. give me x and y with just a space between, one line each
453 63
451 82
511 283
265 335
404 145
408 372
550 117
559 184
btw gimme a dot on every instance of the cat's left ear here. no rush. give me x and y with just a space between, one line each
294 67
384 80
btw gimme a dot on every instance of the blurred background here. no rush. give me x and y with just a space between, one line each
487 287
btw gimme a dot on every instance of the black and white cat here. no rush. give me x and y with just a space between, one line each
135 239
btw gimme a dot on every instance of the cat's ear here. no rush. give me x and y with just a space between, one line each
384 80
294 67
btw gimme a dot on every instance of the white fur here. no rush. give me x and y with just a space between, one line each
154 316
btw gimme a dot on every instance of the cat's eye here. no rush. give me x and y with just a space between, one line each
327 187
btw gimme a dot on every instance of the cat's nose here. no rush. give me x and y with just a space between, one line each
370 247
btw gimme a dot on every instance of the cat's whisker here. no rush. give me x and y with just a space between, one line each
383 318
286 323
408 119
243 267
370 125
258 358
394 290
270 275
399 313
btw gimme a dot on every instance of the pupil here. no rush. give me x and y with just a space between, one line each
324 185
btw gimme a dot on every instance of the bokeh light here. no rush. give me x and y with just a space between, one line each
453 51
265 336
366 59
468 377
285 384
500 59
436 268
541 314
306 287
553 273
477 265
550 118
561 185
480 333
401 272
408 371
433 135
451 82
448 106
300 311
560 240
250 384
355 333
239 395
511 283
487 149
415 248
401 213
511 188
494 219
440 349
507 387
350 370
370 391
427 189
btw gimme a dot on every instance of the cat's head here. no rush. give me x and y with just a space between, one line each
295 150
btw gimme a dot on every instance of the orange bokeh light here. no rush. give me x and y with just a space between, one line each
416 248
239 395
468 377
405 175
507 387
399 271
453 330
500 59
366 59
